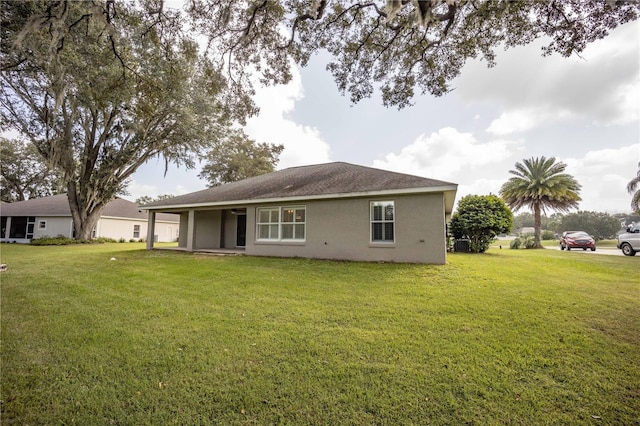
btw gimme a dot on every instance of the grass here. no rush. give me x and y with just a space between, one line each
516 337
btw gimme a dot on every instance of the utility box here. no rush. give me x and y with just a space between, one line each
461 246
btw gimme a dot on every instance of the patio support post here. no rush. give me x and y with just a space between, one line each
7 232
151 229
191 228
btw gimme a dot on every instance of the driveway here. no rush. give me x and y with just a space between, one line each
609 250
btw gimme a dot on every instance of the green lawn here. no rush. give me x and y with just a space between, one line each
511 337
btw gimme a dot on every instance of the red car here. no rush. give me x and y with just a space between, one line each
577 239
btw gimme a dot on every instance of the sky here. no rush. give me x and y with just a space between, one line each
584 111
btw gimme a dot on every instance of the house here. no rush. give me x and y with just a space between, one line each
326 211
525 230
51 216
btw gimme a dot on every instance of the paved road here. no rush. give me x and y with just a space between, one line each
609 251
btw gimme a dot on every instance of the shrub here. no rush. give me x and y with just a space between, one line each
480 218
547 235
52 241
525 241
61 240
101 240
122 240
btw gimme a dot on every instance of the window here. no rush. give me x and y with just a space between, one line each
382 222
281 223
136 231
42 225
268 220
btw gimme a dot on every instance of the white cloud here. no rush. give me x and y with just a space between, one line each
449 155
602 86
522 120
302 144
150 181
604 175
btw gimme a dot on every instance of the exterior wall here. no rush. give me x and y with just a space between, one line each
340 229
184 225
207 229
54 226
123 228
115 228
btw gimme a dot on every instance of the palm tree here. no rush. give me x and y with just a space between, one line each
634 188
540 183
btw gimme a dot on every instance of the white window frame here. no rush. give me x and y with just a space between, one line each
276 227
269 224
382 220
136 232
295 224
42 225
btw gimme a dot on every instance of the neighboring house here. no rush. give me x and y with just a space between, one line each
51 216
525 230
326 211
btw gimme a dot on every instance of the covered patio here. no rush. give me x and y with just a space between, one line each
207 230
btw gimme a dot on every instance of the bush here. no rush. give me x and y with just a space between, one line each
547 235
525 241
100 240
53 241
61 240
122 240
480 218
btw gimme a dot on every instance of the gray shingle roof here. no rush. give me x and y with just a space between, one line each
339 179
58 205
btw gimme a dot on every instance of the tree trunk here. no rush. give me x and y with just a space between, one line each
537 225
85 217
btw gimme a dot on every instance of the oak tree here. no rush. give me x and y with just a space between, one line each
23 174
100 87
237 157
403 46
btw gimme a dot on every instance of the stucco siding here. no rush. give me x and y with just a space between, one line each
184 226
207 229
340 229
54 226
124 229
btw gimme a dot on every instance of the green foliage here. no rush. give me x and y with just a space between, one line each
540 184
527 219
481 218
145 199
162 337
634 189
52 241
405 47
63 241
237 157
547 235
600 225
99 88
525 241
522 220
23 173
